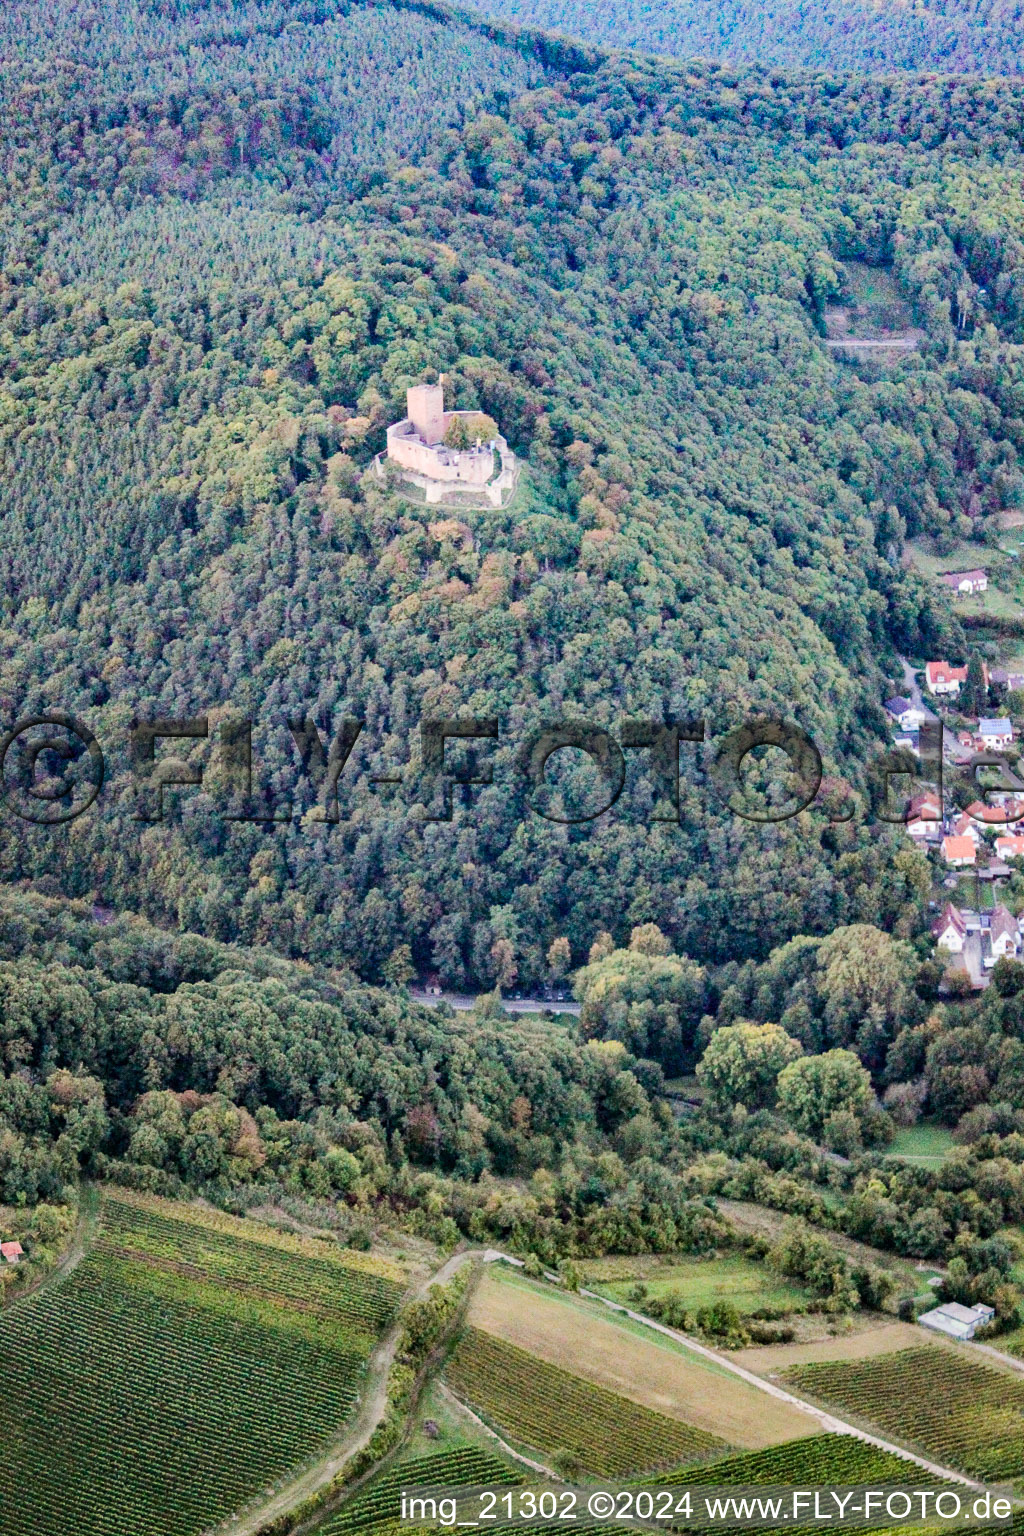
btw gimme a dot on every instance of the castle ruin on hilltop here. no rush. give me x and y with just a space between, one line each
438 451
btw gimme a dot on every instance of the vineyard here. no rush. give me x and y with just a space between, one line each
379 1503
245 1257
966 1414
181 1368
550 1409
817 1461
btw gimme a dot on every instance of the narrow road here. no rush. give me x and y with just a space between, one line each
997 1354
897 344
462 1003
357 1434
913 690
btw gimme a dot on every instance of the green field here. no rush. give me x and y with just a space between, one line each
549 1409
965 556
928 1145
965 1414
747 1284
185 1364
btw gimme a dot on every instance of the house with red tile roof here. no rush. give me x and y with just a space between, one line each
940 678
12 1253
958 852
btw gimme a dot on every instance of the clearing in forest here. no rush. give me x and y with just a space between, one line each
745 1283
185 1364
571 1334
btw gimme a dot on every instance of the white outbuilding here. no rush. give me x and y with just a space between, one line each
958 1321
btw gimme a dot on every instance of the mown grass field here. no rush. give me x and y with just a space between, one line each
928 1145
963 1413
701 1282
187 1362
550 1409
586 1340
860 1344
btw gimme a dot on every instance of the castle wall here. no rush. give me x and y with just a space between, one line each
407 448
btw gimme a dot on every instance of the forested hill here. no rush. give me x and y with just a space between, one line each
233 236
869 36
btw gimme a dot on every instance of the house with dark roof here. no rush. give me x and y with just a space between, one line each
1003 935
995 733
905 713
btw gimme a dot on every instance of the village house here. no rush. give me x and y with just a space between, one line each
964 583
905 713
924 818
943 680
1010 847
1003 935
1001 678
11 1253
959 852
950 930
1008 813
958 1321
995 733
964 826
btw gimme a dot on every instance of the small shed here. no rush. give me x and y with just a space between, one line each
11 1253
958 1321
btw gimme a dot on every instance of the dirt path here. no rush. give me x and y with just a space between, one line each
826 1420
373 1402
535 1466
998 1354
851 344
89 1203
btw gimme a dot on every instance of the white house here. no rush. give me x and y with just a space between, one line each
1004 935
958 852
942 679
964 583
958 1321
906 714
949 930
995 733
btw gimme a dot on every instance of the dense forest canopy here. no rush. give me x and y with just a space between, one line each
869 36
229 249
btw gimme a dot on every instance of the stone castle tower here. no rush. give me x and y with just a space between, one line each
425 404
